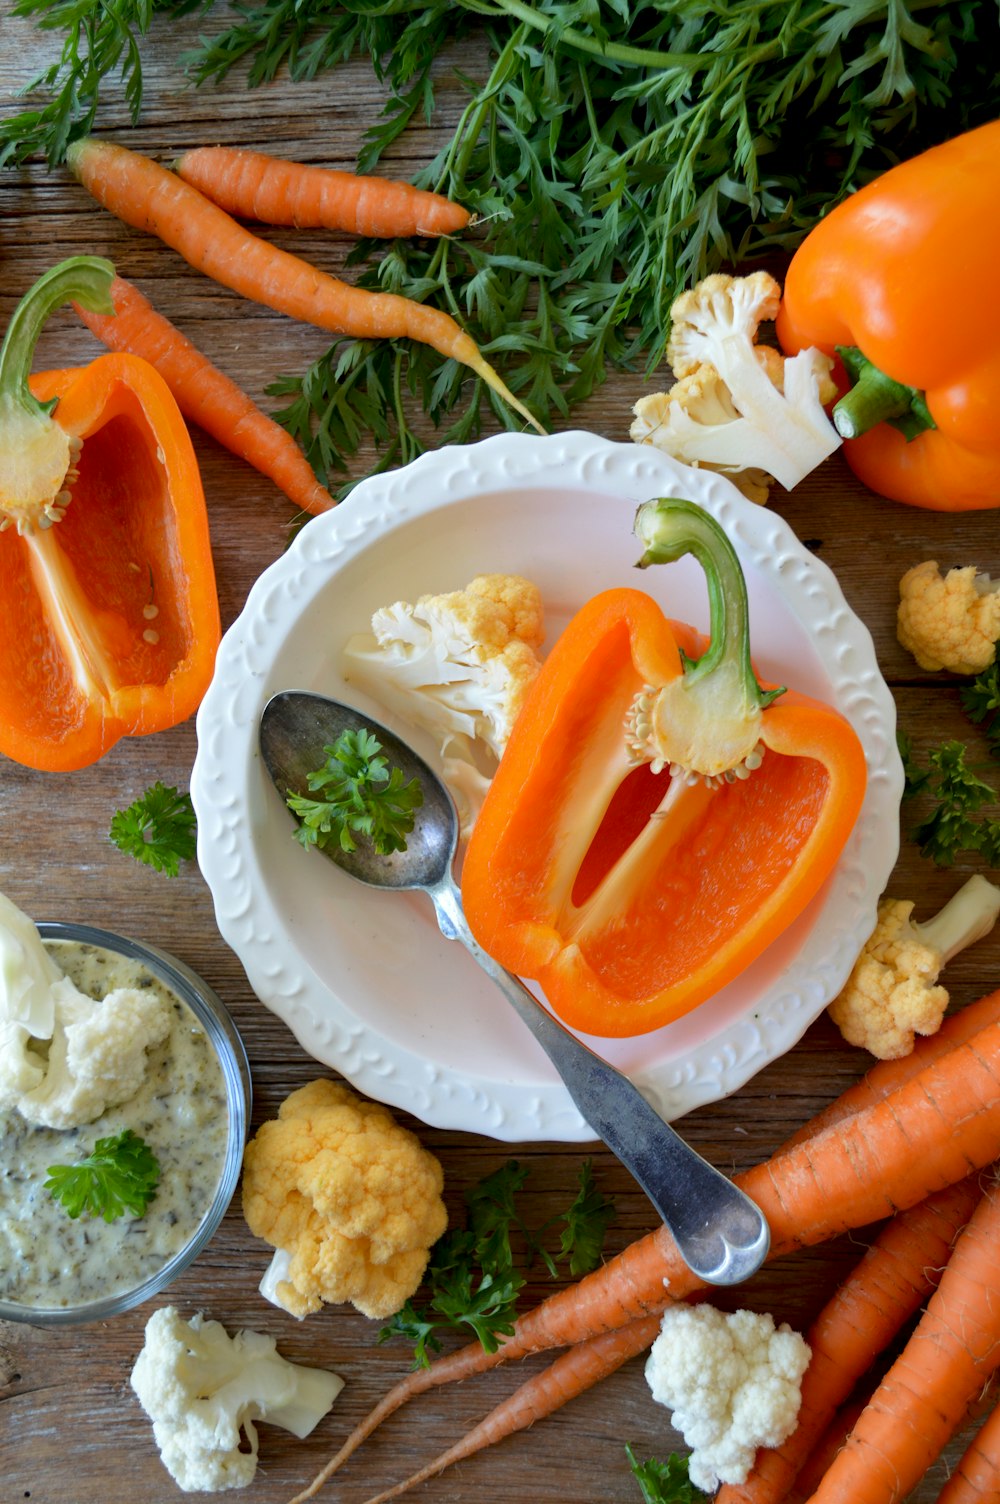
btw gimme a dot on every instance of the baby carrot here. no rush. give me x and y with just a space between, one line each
571 1374
148 197
926 1393
870 1307
256 186
206 396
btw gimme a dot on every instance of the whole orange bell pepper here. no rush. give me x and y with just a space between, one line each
658 817
109 617
899 280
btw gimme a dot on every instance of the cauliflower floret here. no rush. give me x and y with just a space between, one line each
65 1058
891 994
349 1198
949 621
203 1390
733 1382
739 407
459 665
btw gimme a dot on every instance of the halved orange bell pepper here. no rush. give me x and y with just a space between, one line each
657 818
899 280
109 617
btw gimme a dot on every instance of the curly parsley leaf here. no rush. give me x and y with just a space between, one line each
361 795
981 701
664 1482
955 822
472 1278
121 1174
160 829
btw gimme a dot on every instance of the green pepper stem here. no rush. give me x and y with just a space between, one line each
81 279
875 398
669 528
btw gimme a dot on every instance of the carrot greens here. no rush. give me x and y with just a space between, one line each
611 155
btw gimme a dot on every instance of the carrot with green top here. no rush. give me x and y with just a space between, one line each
206 396
870 1307
928 1133
925 1395
253 185
149 197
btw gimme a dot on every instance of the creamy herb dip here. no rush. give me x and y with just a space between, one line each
46 1258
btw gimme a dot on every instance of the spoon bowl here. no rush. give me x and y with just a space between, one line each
721 1234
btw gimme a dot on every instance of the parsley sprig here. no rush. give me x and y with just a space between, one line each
474 1278
120 1174
664 1482
159 829
360 795
956 797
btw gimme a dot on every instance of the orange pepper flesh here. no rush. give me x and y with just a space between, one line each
903 270
84 663
626 921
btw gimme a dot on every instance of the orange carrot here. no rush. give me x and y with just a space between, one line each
977 1477
820 1459
887 1074
277 192
206 396
148 197
871 1306
926 1134
924 1397
571 1374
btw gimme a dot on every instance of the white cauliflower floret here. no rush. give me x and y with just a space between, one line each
892 993
949 621
459 665
738 407
65 1058
203 1390
733 1382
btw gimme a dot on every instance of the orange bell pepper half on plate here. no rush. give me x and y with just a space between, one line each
109 617
658 817
899 281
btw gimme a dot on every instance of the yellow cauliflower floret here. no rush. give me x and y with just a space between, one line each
349 1198
892 993
949 621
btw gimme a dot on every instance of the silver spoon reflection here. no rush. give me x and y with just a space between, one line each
720 1232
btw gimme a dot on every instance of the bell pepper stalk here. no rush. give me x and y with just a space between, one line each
659 816
109 617
895 281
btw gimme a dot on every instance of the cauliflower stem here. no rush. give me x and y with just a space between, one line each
892 993
706 722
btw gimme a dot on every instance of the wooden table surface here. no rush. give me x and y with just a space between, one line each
71 1432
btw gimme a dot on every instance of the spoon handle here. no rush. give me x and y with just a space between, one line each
721 1234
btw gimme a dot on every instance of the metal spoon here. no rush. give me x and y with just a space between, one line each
719 1231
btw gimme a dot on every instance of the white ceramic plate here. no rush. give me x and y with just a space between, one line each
364 979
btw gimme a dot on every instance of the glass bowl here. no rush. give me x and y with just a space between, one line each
229 1051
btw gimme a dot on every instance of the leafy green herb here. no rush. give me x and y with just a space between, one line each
99 37
955 823
981 702
664 1482
160 829
120 1175
361 795
611 153
472 1277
